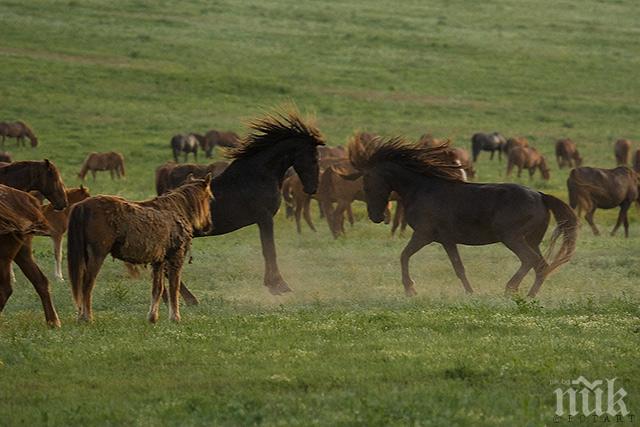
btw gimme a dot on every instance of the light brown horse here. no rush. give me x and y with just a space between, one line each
20 131
30 175
567 154
527 158
21 219
172 175
157 232
110 161
622 151
593 188
58 220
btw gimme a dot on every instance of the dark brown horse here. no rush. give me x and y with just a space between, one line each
110 161
42 176
173 175
491 142
249 190
156 232
184 144
20 131
527 158
442 208
58 220
567 154
21 219
622 151
593 188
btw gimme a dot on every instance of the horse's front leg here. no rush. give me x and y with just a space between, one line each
156 291
174 268
418 241
456 261
272 278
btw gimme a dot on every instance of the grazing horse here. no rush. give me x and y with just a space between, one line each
18 130
184 144
110 161
21 219
514 142
221 139
442 208
173 175
622 151
527 158
567 154
249 190
461 156
58 220
592 188
491 142
157 232
42 176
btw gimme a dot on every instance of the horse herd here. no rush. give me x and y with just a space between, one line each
285 156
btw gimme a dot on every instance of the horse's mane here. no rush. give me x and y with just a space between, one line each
433 161
180 199
27 164
20 213
274 128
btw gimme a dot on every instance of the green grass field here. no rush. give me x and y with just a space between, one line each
346 347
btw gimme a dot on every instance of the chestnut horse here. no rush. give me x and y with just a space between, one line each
592 188
441 208
110 161
527 158
18 130
156 232
58 220
622 151
567 154
21 219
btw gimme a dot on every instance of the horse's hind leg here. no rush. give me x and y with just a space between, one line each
417 242
5 282
174 267
94 263
25 261
622 217
454 257
528 258
57 249
156 291
297 215
589 217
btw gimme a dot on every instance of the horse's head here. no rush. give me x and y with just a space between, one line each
76 195
34 141
201 219
544 169
52 185
376 191
305 163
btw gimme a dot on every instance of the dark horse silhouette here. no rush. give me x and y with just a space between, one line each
487 142
442 208
248 191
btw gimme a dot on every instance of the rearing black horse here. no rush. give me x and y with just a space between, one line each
249 190
442 208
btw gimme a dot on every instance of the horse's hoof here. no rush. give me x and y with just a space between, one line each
410 291
54 323
153 317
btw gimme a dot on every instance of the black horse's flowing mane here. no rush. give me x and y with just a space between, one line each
434 161
274 128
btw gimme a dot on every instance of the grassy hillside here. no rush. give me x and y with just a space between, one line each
346 347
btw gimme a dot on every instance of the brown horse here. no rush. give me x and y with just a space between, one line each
58 220
21 219
527 158
215 138
18 130
5 157
442 208
42 176
567 154
110 161
461 156
622 151
173 175
514 142
592 188
156 232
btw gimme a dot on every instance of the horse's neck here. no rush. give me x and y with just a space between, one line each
17 177
275 160
404 182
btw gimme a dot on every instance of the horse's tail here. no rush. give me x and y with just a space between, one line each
567 227
77 250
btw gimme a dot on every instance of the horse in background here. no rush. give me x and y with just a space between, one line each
184 144
156 231
593 188
58 221
514 142
5 157
567 154
42 176
215 138
21 219
491 142
110 161
622 152
19 130
527 158
173 175
441 208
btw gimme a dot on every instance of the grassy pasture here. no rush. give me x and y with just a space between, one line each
346 347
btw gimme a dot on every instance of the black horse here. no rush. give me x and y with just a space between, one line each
249 190
184 144
442 208
487 142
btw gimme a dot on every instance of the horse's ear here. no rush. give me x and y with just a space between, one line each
207 179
